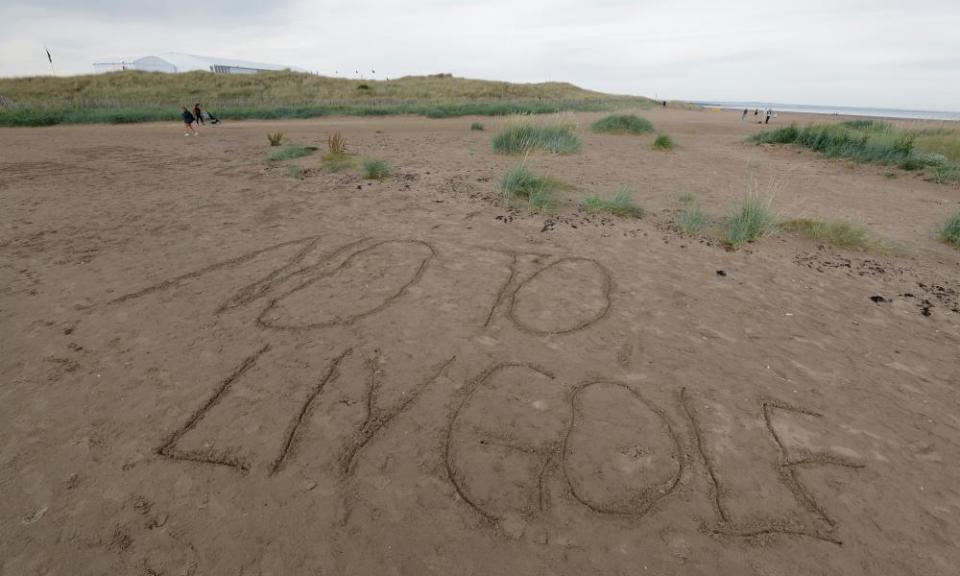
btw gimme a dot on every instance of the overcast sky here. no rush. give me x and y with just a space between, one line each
880 53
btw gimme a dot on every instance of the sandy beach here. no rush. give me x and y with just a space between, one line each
210 367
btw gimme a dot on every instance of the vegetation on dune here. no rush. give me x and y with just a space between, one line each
621 204
520 185
692 220
622 124
842 234
275 138
295 172
663 142
476 126
290 152
936 151
950 232
750 220
376 169
525 137
125 97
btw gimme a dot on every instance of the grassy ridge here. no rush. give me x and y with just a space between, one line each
937 151
127 97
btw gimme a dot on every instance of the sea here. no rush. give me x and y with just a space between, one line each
837 110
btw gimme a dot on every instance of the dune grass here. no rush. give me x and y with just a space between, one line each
295 172
521 186
663 142
477 127
524 137
842 234
692 220
275 138
339 162
749 220
622 124
289 152
376 169
878 142
126 97
621 204
950 231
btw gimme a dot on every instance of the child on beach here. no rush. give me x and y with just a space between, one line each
197 113
188 120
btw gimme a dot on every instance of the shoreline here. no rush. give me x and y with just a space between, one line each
840 111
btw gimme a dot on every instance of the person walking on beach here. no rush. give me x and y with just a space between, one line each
197 113
188 121
744 115
769 114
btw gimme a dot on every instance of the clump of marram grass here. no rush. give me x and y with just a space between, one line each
622 124
290 152
950 231
749 220
336 144
521 185
937 151
844 234
527 137
376 169
295 172
692 220
663 142
275 138
621 204
477 127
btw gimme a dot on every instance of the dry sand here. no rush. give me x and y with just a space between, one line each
209 367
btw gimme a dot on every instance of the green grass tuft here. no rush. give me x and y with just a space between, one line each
477 127
622 124
520 185
338 162
692 220
937 151
950 232
275 138
842 234
295 172
621 204
290 152
750 220
374 169
526 137
663 142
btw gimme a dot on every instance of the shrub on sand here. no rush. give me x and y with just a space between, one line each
275 138
621 204
526 137
375 169
834 233
295 172
476 126
663 142
622 124
750 220
691 220
290 152
520 184
950 232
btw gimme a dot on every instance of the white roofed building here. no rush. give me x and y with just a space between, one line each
173 62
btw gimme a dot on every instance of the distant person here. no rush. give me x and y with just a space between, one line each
664 103
769 114
188 120
756 111
744 115
198 113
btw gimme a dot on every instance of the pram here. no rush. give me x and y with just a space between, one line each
210 117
